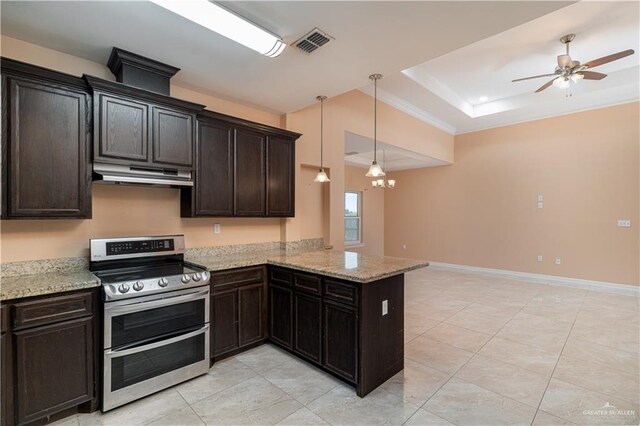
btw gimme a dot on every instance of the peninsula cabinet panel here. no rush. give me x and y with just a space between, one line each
122 128
54 368
172 137
249 173
307 326
280 176
281 316
252 315
224 319
46 138
341 340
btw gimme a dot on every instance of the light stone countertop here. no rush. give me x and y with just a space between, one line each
344 265
19 286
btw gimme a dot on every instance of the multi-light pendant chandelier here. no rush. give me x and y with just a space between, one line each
321 176
383 182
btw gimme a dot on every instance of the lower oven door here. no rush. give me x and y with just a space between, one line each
154 342
132 373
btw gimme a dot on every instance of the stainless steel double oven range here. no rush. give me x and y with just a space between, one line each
156 316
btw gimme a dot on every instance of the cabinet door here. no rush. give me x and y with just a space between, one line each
214 178
341 340
249 173
280 176
48 141
252 314
122 129
224 317
172 137
54 368
307 326
281 320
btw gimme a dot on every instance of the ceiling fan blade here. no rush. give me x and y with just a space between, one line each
592 75
532 77
609 58
544 86
565 61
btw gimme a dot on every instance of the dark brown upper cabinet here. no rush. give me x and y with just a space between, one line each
242 169
280 176
46 137
249 173
141 128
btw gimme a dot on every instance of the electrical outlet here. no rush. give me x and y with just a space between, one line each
539 258
385 307
404 247
540 198
557 260
624 223
216 228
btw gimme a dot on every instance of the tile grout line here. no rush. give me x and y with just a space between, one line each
462 366
558 360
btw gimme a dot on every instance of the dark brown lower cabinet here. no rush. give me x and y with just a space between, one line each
54 368
224 317
49 362
252 315
281 310
307 325
340 325
341 340
238 310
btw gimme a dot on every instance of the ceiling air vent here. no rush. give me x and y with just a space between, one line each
312 40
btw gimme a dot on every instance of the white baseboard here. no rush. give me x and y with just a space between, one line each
603 286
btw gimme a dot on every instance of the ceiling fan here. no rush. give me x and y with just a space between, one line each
569 70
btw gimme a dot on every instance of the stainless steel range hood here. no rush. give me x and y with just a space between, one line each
140 175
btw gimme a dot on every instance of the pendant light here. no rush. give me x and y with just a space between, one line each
321 176
375 170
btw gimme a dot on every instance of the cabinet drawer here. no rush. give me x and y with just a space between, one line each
236 277
53 309
307 283
279 276
341 292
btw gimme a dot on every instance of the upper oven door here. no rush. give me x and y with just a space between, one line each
136 321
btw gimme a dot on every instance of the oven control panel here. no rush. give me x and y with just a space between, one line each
133 247
144 246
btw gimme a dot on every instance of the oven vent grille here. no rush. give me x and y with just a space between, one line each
312 41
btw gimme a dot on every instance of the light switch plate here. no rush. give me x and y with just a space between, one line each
539 258
216 228
624 223
540 204
385 307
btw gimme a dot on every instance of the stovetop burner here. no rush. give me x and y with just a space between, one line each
146 265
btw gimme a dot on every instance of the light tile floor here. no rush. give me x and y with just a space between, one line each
479 350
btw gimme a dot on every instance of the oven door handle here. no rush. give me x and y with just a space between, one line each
143 306
117 354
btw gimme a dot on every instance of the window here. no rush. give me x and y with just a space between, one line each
352 218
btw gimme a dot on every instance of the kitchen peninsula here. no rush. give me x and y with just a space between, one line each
340 311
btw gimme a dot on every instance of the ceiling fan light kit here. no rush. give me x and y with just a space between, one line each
569 71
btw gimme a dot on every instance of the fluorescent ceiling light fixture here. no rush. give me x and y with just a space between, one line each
223 22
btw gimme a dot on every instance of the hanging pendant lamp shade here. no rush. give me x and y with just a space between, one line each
375 170
321 176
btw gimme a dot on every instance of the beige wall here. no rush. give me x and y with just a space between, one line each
482 211
353 112
372 211
120 210
143 210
